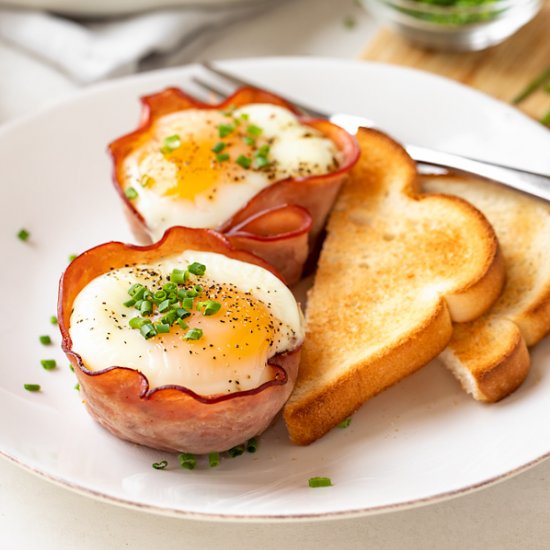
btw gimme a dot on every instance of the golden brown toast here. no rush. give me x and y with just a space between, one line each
489 356
396 269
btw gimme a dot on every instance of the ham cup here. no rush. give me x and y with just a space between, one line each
186 345
251 167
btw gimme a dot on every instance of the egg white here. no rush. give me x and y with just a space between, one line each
101 334
296 150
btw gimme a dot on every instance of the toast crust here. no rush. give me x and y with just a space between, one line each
396 269
489 356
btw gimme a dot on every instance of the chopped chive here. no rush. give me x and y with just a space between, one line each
210 307
261 162
244 116
263 151
177 276
187 461
253 130
146 181
136 291
160 465
229 111
182 324
45 340
197 269
214 459
182 313
129 303
71 367
48 364
225 129
164 306
349 22
23 235
160 295
162 328
243 161
77 387
219 147
148 330
238 450
222 157
131 193
169 318
187 303
191 293
171 143
319 482
170 287
32 387
546 119
146 307
193 334
53 320
252 445
249 141
533 86
137 322
345 423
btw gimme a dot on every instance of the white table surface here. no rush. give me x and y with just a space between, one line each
37 514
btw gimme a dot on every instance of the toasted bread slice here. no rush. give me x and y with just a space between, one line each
395 270
489 356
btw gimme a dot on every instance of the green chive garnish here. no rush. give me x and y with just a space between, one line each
170 287
261 162
214 459
147 330
160 465
253 130
162 328
345 423
171 143
229 111
222 157
243 161
219 147
32 387
187 303
48 364
77 387
182 313
53 320
164 306
533 86
72 257
182 324
236 451
249 141
45 340
178 276
193 334
209 307
187 461
146 181
225 129
146 307
252 445
23 235
197 269
71 367
319 482
131 193
169 318
546 119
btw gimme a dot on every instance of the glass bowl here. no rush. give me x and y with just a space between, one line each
458 25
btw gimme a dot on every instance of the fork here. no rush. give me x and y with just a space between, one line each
532 183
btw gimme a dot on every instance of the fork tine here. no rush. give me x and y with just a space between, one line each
241 82
216 90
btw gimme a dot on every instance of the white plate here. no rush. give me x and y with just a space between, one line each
421 441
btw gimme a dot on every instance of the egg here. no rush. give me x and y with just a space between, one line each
229 318
198 167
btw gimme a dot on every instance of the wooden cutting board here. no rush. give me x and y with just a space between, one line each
502 71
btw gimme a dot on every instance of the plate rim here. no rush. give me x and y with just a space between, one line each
167 73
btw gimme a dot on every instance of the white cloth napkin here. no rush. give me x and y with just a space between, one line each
90 51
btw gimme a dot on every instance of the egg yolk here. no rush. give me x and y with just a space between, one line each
236 340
